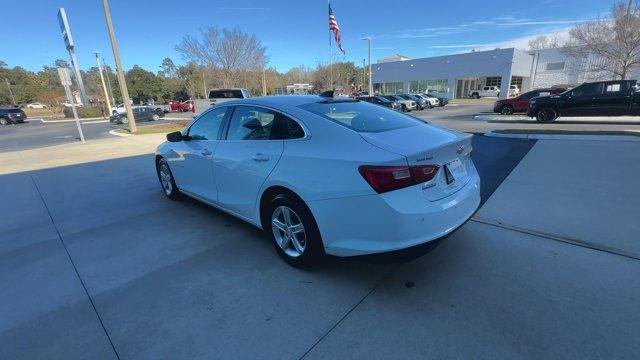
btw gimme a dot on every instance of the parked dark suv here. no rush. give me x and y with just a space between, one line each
11 115
603 98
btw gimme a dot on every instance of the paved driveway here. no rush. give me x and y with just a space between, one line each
96 263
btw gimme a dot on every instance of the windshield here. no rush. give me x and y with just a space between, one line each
361 116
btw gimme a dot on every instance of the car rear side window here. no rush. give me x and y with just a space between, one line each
361 116
207 126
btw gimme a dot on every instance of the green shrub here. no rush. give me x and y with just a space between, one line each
84 112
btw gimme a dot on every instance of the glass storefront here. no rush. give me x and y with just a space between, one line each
388 88
423 86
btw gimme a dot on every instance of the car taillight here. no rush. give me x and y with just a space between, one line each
388 178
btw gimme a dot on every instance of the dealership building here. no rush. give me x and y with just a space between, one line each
454 76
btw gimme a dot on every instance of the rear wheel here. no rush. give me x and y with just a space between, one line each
293 230
155 117
507 110
546 115
475 95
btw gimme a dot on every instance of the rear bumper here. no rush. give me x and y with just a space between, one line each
392 221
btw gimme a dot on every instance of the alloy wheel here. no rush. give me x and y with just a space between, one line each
165 179
288 231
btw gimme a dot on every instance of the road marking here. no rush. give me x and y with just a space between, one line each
564 239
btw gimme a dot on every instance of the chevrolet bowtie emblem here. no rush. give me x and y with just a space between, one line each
460 149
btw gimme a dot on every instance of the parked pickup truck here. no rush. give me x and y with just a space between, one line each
603 98
486 91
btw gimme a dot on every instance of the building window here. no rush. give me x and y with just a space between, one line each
423 86
493 81
388 88
517 81
555 66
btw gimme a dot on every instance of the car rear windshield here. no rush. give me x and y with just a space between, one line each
10 110
361 116
226 94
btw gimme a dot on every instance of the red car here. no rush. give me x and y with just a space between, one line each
188 105
520 103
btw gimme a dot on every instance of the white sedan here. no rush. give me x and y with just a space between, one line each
324 175
36 105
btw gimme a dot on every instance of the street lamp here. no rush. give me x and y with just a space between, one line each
368 38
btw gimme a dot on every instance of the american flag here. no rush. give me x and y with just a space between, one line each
333 26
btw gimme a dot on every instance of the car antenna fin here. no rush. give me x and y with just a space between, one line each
327 94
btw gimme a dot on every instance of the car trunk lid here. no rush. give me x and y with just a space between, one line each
426 144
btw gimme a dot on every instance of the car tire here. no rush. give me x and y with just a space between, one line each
155 117
4 121
475 96
167 183
296 240
506 110
546 115
114 112
404 108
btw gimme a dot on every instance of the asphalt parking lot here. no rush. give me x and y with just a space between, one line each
96 263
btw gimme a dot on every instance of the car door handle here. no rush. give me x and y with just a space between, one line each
206 152
260 157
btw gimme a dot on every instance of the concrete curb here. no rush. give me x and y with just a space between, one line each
565 137
115 133
86 120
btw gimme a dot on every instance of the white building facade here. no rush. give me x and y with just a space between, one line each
454 76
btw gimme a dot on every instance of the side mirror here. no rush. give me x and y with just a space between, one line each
175 136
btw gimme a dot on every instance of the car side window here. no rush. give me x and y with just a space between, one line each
529 95
207 126
286 128
591 89
251 123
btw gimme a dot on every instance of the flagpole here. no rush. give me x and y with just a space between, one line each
330 57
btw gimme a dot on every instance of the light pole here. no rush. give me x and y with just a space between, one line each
364 75
106 72
13 100
121 80
368 38
104 86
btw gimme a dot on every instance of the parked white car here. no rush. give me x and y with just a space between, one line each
485 91
514 91
324 175
36 105
68 104
432 100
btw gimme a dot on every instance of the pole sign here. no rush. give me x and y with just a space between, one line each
64 27
65 78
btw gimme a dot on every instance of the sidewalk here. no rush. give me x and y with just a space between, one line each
580 191
96 263
78 153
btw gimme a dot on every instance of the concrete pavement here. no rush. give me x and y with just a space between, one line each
146 277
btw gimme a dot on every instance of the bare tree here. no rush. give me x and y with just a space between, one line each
231 51
610 47
545 42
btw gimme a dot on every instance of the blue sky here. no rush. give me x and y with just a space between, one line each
294 32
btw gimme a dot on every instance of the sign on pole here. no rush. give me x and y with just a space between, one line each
65 80
68 41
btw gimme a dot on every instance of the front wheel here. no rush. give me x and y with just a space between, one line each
4 121
293 230
169 188
546 115
507 110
